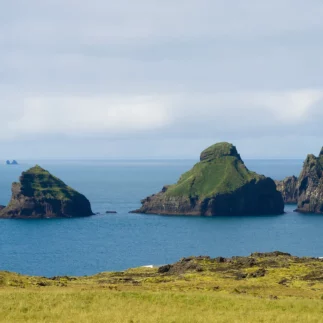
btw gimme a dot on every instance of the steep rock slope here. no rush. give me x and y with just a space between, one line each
288 188
310 185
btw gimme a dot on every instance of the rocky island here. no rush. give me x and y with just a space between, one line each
307 189
14 162
39 194
220 184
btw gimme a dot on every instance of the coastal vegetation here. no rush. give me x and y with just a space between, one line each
264 287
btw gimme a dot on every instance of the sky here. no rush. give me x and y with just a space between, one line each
160 79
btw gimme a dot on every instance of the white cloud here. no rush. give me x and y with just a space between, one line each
176 70
284 106
179 115
86 116
289 106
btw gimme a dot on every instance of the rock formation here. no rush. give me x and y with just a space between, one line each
310 185
14 162
220 184
42 195
288 188
307 189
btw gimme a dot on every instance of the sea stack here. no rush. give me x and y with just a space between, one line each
220 184
289 190
310 185
307 190
39 194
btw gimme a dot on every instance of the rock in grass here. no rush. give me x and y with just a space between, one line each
39 194
220 184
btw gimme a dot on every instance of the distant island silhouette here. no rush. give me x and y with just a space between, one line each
14 162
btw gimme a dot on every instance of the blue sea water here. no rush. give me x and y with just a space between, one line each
85 246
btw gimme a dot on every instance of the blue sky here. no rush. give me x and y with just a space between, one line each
160 79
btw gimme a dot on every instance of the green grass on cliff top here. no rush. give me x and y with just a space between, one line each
216 174
39 182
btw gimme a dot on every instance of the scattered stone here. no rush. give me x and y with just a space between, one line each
270 254
43 284
283 281
164 269
258 273
273 297
220 260
182 266
314 275
241 275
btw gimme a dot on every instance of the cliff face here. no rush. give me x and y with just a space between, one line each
42 195
307 190
288 188
310 185
220 184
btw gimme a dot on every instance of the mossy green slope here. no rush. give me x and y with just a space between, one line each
40 183
219 184
207 178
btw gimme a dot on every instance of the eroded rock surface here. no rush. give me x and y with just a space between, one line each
289 190
310 185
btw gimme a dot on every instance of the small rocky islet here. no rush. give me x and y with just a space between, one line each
307 190
39 194
14 162
220 184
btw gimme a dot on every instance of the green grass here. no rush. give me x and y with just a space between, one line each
207 178
290 289
131 306
39 182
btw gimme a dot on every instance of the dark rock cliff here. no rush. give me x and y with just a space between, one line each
42 195
220 184
307 189
310 185
288 188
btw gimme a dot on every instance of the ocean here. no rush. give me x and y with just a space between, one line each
114 242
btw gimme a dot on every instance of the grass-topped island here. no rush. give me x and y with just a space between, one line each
39 194
220 184
264 287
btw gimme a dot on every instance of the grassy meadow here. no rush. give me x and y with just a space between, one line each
259 288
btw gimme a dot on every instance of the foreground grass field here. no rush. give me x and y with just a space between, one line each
261 288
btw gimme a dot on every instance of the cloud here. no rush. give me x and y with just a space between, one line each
196 115
87 116
170 71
